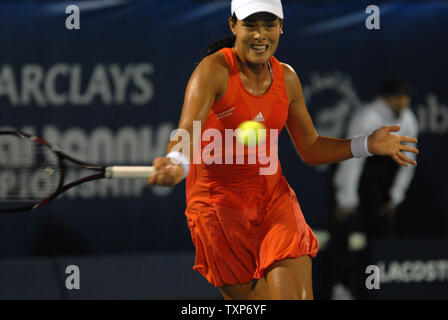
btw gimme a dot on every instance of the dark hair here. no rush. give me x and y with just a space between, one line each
394 86
227 42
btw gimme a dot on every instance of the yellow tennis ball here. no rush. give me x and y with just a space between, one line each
251 133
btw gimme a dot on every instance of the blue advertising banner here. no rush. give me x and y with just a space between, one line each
407 271
108 88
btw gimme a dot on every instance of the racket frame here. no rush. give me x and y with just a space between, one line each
60 162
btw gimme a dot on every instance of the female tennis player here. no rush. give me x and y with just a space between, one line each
249 232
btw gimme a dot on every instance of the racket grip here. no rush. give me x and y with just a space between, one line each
128 172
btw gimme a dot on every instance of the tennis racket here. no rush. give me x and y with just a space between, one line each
32 172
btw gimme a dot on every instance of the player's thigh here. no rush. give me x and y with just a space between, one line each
257 289
291 279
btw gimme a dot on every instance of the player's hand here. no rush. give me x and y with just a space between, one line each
381 142
167 173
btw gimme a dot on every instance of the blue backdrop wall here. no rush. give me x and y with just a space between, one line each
112 91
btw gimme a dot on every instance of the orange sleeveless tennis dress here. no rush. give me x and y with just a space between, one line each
241 222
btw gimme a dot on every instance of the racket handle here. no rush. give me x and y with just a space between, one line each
128 172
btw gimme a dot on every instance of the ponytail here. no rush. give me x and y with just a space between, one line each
227 42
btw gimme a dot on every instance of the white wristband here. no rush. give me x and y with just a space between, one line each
359 147
179 158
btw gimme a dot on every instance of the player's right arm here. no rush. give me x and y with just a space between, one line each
207 84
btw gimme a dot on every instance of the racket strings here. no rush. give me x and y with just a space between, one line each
29 172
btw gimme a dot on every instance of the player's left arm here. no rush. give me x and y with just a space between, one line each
315 149
312 148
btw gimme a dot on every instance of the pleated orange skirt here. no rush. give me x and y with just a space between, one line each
241 229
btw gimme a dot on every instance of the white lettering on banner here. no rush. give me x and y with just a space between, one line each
7 84
111 84
75 96
32 76
120 80
53 96
126 145
433 118
145 87
99 85
414 271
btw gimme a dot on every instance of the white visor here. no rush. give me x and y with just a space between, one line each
244 8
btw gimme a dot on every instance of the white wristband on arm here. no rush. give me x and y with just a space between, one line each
359 147
179 158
